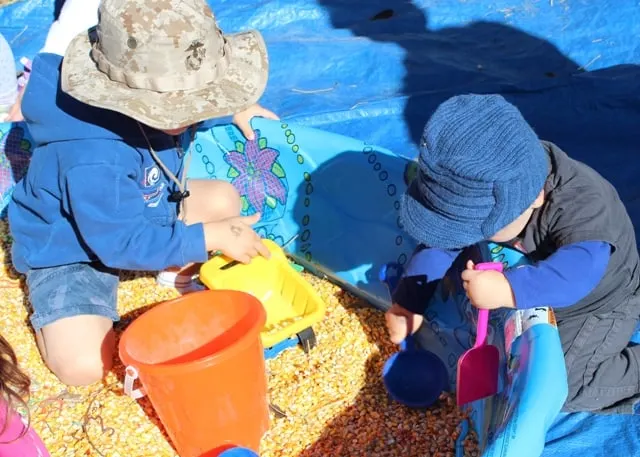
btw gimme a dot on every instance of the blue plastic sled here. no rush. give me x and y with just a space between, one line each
340 195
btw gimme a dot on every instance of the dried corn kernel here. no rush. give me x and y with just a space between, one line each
333 397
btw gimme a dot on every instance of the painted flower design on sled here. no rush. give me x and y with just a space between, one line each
269 234
256 174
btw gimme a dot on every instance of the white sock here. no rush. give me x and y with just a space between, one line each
75 17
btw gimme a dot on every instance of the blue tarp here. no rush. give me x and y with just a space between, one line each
375 70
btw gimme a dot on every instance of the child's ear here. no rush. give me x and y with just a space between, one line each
539 201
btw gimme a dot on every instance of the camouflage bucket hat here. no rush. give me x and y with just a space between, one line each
164 63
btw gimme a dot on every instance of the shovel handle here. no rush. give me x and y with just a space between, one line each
481 328
497 266
483 314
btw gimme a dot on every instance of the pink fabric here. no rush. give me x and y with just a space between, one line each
30 445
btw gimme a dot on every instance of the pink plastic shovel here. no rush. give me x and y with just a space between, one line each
478 367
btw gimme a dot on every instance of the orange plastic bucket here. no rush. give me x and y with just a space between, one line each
200 360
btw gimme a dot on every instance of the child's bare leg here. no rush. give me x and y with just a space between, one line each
209 201
74 307
79 350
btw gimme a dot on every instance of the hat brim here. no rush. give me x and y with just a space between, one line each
241 86
432 228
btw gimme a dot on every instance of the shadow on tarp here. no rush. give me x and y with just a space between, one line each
592 115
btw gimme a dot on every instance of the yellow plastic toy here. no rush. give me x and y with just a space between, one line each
291 303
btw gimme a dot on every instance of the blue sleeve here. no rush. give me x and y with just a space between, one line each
108 210
422 274
563 279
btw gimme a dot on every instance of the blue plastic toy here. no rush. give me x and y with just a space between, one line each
414 376
239 452
274 351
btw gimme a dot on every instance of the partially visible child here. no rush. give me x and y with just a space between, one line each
17 438
485 175
113 122
8 83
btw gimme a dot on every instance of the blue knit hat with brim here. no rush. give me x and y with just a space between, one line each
480 167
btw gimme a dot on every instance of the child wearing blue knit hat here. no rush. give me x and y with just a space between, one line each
485 175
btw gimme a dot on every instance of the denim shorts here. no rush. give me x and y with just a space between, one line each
72 290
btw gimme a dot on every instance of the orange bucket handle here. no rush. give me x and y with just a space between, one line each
130 376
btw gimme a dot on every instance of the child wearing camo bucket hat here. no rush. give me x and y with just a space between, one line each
485 175
112 123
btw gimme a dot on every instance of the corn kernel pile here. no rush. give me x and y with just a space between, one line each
333 397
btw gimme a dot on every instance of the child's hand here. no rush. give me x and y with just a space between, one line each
401 323
235 238
243 118
487 289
